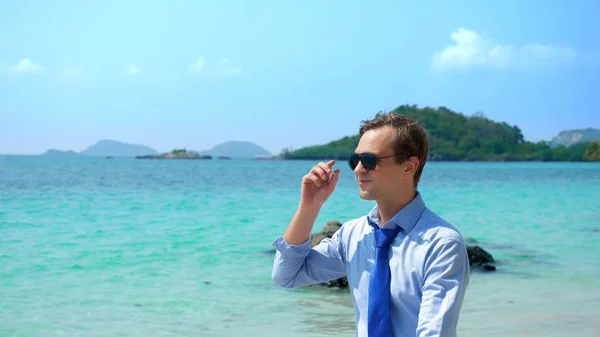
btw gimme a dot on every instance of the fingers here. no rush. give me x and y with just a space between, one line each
327 166
335 178
320 173
318 181
322 170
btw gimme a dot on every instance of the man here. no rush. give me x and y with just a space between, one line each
411 285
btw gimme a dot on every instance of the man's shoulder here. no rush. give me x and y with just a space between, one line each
354 224
434 229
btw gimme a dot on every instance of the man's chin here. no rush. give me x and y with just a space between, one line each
365 195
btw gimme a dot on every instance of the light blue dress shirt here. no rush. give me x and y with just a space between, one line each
428 262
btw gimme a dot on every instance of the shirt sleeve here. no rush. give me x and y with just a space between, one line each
300 265
445 281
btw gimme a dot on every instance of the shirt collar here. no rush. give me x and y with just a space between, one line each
407 217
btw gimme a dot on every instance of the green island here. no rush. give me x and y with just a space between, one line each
176 154
456 137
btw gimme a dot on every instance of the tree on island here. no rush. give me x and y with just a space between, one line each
458 137
179 151
592 152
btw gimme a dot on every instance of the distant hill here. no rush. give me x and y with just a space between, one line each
457 137
571 137
113 148
237 149
55 152
117 149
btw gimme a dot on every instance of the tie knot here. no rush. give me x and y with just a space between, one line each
383 236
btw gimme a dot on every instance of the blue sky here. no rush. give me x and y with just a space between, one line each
285 73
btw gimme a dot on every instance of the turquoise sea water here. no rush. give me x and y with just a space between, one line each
123 247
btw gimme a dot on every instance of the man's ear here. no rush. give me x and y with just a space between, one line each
412 163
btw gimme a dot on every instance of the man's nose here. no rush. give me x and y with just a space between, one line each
360 168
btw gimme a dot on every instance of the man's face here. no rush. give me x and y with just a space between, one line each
388 176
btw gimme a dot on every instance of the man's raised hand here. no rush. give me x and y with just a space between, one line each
318 184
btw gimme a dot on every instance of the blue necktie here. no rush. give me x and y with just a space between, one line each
380 318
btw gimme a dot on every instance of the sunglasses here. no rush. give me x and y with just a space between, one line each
368 160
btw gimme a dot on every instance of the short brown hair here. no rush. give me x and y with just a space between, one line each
411 138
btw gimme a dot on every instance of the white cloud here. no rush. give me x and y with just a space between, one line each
25 66
198 65
472 49
133 69
224 67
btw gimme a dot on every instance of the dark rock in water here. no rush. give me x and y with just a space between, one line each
488 267
315 238
470 240
331 227
271 251
479 258
327 232
338 283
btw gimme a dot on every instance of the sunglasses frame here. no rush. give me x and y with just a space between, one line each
372 160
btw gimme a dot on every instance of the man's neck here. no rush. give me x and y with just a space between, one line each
390 207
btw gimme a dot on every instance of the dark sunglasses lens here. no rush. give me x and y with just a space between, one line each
369 161
353 161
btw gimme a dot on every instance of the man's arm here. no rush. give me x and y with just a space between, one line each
445 281
298 265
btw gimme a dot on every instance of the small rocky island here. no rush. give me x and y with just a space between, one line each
478 258
176 154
